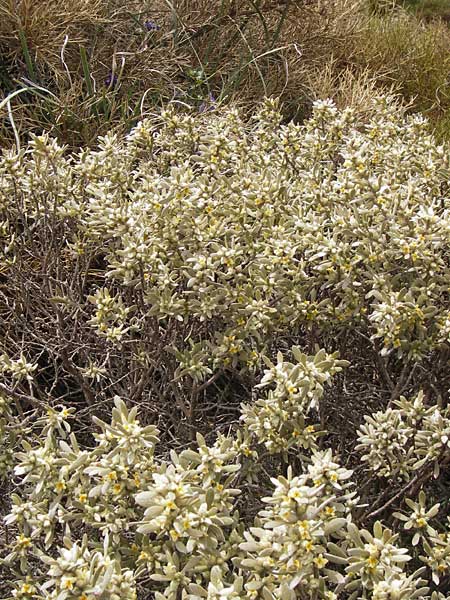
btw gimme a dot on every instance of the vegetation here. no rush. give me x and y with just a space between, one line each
224 300
87 68
160 266
430 9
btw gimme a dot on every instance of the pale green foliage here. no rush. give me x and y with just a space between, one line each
249 229
435 545
401 440
103 522
303 514
186 252
18 369
8 428
278 421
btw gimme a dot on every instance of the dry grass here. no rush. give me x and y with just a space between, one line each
402 50
74 50
102 68
430 9
411 54
234 50
44 26
348 87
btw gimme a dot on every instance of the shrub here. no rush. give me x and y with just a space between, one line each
114 519
163 267
214 236
163 262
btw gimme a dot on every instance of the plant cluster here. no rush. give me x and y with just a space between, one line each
401 440
156 264
114 519
166 265
234 232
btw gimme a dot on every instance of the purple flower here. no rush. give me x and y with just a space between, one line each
208 104
111 80
151 26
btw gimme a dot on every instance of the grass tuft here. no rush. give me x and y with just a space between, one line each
109 63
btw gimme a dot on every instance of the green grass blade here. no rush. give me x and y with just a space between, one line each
280 24
263 21
27 55
86 71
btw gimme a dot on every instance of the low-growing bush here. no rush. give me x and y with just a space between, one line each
166 268
113 519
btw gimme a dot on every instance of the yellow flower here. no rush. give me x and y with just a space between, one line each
23 541
82 498
60 486
303 527
67 583
26 588
320 561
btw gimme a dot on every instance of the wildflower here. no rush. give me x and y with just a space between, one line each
60 486
320 561
151 25
111 80
208 104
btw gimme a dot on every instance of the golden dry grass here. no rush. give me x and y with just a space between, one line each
103 69
236 50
